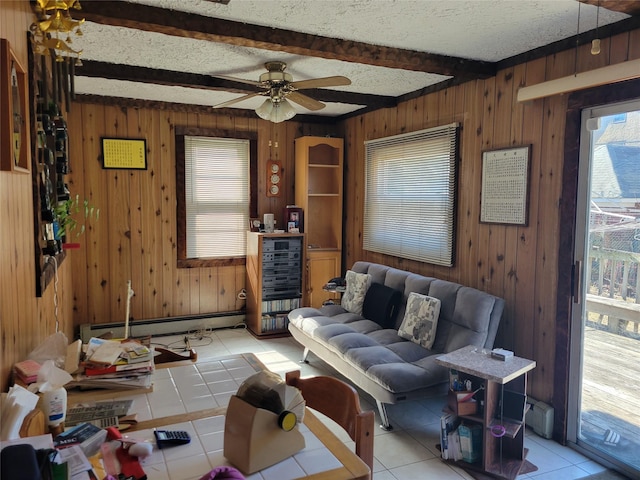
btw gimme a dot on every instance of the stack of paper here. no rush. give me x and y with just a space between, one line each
116 364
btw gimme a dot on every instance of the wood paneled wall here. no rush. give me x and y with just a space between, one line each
519 264
135 236
24 319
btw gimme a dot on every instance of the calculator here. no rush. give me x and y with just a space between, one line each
169 438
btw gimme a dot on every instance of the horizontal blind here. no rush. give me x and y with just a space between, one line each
217 196
410 193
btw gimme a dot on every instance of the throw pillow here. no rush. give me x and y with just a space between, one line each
357 286
381 304
420 320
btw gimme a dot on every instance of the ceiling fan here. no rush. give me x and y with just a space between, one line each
279 86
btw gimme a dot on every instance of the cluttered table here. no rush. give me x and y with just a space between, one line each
193 397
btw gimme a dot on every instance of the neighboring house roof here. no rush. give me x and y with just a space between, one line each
615 172
625 131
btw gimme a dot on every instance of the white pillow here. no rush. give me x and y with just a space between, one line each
357 286
420 320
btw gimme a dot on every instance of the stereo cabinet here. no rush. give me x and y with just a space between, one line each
274 281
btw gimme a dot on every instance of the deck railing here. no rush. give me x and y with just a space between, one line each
613 290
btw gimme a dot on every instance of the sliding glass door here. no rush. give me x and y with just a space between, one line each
605 342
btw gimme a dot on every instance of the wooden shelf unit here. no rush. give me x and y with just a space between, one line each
318 190
274 282
502 456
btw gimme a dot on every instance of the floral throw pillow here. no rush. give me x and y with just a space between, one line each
420 320
357 286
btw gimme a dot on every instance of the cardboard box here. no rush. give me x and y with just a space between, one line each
457 406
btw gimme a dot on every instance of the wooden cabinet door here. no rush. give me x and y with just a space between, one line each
322 266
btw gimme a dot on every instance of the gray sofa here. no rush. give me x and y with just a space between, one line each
388 367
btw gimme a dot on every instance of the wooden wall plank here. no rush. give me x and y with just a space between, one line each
116 256
532 123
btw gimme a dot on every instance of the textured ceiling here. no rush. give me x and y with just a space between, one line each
481 31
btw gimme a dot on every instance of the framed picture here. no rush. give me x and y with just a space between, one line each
254 224
14 115
126 153
505 186
293 217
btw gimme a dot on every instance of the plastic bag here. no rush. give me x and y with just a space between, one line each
53 348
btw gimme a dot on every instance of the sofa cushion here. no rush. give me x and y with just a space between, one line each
381 304
357 286
420 320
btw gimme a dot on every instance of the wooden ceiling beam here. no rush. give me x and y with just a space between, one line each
188 25
131 73
624 6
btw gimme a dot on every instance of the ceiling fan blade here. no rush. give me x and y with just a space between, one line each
321 82
236 100
307 102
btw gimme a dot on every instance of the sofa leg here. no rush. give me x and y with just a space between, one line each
304 356
385 425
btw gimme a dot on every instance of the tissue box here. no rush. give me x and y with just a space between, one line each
457 406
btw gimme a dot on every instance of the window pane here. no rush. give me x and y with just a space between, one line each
217 196
410 195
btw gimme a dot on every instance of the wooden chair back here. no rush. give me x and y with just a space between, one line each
340 402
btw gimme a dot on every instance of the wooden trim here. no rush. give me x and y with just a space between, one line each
578 101
181 211
188 25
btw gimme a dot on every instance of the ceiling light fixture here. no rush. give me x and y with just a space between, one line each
276 108
54 18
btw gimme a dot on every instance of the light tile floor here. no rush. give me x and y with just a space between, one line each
409 451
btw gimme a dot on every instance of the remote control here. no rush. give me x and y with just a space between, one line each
169 438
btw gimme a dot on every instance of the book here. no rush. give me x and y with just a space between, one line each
126 369
87 436
136 353
448 424
105 352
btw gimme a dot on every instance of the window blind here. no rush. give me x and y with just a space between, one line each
217 196
410 194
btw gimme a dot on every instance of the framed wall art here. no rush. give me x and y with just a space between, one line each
505 186
126 153
14 114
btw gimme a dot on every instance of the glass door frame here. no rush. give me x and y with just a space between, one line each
589 123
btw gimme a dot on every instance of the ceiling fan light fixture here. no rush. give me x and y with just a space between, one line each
276 112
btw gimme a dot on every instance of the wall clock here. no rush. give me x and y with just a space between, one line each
274 178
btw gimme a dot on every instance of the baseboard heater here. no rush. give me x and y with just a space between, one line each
164 326
540 418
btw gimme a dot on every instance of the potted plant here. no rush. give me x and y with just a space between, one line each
71 215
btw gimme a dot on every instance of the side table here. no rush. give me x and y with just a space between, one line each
503 452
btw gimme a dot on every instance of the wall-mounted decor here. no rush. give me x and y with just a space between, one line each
274 178
130 153
505 186
14 124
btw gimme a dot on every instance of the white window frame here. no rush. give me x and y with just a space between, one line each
410 195
217 196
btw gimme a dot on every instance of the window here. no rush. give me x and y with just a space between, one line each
214 197
410 194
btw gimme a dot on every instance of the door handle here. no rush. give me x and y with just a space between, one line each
577 281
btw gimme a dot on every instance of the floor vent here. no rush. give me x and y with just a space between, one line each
163 326
540 418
